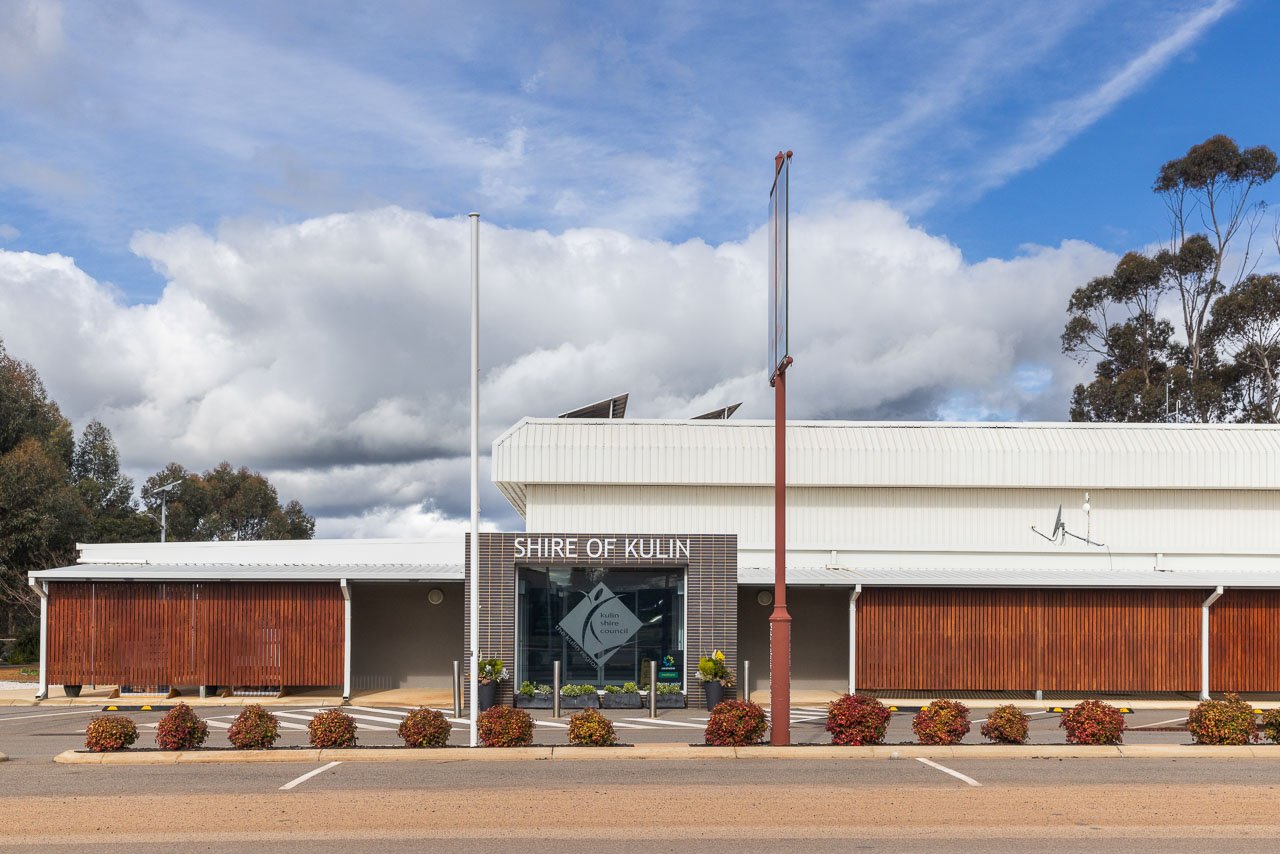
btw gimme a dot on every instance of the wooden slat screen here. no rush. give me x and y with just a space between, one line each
966 639
1244 641
226 633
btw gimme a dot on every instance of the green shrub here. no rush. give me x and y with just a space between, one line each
857 719
1226 721
529 690
669 688
1006 725
25 648
332 728
711 668
1271 724
253 729
503 726
576 690
736 723
941 722
425 728
110 733
624 688
592 729
180 729
1093 722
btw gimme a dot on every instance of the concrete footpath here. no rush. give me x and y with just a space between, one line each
673 751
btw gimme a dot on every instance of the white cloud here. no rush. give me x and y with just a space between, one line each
31 36
1048 132
332 353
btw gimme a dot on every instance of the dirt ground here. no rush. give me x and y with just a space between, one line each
652 811
19 673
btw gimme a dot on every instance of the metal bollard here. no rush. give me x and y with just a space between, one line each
653 689
457 689
555 689
746 680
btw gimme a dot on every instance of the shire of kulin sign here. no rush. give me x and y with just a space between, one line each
602 548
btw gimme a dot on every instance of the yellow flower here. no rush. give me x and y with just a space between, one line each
718 655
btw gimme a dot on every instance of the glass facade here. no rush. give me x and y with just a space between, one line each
605 625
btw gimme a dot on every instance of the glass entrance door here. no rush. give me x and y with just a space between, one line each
603 625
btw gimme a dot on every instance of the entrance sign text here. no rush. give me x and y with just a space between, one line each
602 548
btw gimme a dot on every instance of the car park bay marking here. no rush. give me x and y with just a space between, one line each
307 776
945 770
666 722
1158 723
44 715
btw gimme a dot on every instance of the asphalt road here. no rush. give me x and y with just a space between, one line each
705 806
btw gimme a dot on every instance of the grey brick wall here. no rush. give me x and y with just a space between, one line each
711 588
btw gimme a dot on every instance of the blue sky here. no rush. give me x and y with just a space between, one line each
988 123
236 231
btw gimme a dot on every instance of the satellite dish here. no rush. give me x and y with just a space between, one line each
1058 527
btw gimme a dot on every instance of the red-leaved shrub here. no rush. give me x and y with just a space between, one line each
590 728
736 723
503 726
108 733
1006 725
1226 721
941 722
1093 722
253 729
332 728
857 719
180 729
425 728
1271 724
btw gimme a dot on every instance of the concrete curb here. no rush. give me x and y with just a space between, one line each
669 752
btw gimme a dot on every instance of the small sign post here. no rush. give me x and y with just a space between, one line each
779 361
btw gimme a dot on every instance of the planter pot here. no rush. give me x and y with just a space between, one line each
622 701
487 695
715 694
671 701
537 701
71 690
587 701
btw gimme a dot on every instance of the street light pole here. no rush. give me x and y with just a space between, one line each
164 506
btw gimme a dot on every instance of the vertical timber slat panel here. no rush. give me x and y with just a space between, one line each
976 639
209 633
1244 642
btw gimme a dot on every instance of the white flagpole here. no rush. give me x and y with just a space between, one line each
473 688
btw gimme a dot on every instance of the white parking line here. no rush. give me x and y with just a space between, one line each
307 776
551 724
1157 723
666 723
45 715
945 770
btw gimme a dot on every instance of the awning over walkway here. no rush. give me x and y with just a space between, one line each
840 576
250 572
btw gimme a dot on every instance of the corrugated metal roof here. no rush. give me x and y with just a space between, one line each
840 576
250 572
354 552
843 453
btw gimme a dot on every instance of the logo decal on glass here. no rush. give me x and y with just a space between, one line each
599 625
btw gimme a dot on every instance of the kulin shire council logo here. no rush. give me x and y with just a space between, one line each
599 625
